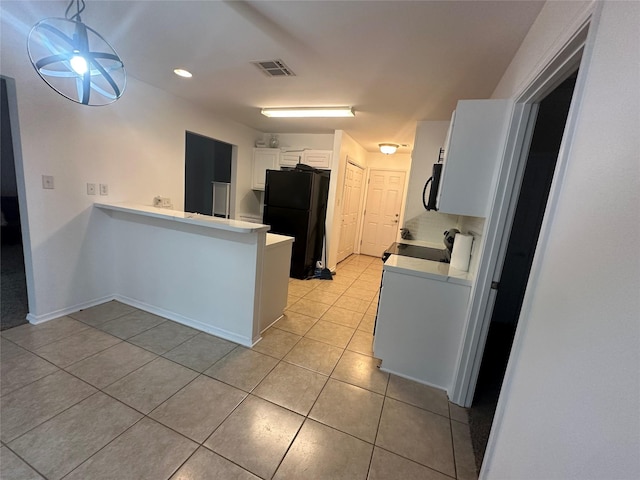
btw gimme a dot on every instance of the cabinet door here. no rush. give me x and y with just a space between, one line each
419 327
263 160
317 158
475 148
290 159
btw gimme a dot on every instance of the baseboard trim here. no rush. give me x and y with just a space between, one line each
189 322
37 319
408 377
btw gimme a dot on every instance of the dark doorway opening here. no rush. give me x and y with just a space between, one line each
523 238
13 290
207 161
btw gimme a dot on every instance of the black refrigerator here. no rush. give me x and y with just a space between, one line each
295 204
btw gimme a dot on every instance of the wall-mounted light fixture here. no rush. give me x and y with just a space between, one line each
388 148
308 112
75 60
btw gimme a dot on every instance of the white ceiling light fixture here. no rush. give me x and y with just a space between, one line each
308 112
388 148
182 73
75 60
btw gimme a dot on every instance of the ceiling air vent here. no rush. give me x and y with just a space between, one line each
274 68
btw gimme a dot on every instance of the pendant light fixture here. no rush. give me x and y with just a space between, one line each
75 60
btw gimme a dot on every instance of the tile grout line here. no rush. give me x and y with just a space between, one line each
199 374
306 417
101 390
453 444
147 415
25 461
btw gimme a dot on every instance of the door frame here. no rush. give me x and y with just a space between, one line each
356 243
403 204
574 50
12 100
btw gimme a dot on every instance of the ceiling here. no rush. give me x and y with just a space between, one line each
394 62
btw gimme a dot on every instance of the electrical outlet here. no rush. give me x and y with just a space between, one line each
104 189
91 188
47 182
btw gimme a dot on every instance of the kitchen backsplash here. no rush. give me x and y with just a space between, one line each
474 226
430 226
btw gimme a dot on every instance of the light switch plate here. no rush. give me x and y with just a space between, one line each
91 188
47 182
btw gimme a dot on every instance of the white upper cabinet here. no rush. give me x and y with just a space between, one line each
473 152
263 159
272 159
317 158
290 159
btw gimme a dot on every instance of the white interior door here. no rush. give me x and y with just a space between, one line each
382 212
350 210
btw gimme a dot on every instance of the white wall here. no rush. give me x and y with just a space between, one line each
313 141
570 403
430 137
343 146
135 145
397 161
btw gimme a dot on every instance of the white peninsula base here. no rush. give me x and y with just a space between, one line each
420 320
201 271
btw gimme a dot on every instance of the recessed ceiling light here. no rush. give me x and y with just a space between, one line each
182 73
303 112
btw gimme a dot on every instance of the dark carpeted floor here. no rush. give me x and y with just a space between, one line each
13 291
494 363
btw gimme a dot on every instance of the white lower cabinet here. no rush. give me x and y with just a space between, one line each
419 327
275 278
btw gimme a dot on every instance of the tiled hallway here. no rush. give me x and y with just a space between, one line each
113 392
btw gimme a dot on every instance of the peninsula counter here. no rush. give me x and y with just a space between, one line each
201 271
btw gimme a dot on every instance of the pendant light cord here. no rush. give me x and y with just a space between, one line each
80 5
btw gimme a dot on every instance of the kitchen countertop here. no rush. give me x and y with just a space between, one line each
427 269
277 239
186 217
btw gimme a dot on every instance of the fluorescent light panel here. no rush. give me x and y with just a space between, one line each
303 112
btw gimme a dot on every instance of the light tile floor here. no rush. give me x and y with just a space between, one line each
112 392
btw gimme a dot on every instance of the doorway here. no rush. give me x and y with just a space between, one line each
382 211
13 281
538 174
350 209
207 165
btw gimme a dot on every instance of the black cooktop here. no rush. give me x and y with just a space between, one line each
416 251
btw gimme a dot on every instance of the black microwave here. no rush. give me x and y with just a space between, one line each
430 203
